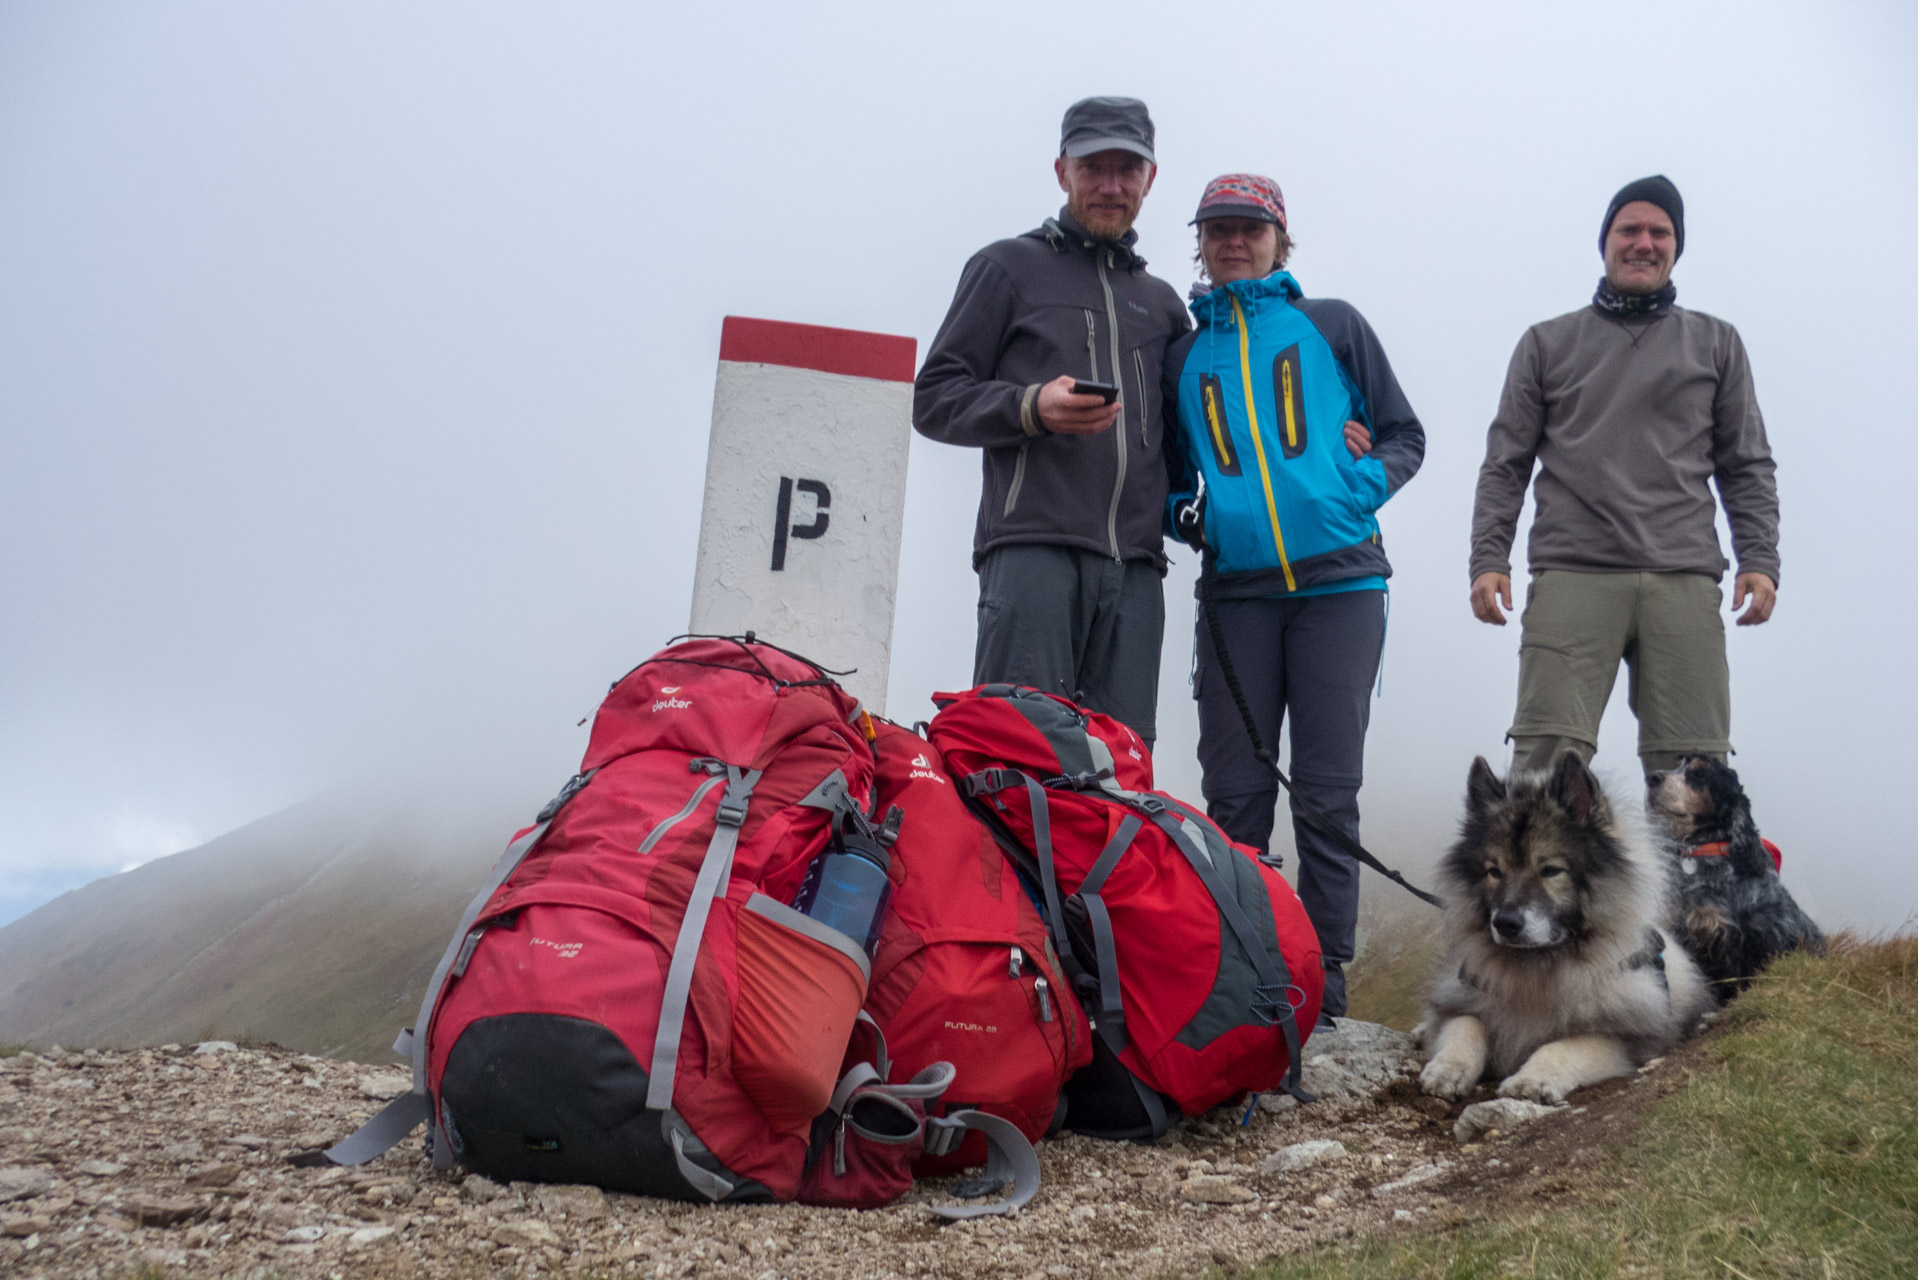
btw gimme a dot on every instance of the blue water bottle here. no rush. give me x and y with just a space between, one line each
847 888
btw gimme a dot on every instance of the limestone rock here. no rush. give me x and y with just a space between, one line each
221 1174
481 1190
1302 1155
163 1211
1501 1114
1355 1060
525 1231
21 1184
1213 1188
215 1046
384 1087
582 1204
1412 1177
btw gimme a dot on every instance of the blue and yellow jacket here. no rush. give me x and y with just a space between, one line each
1264 388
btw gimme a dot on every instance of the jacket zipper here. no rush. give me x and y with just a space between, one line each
1118 483
1285 390
1145 400
1018 479
1258 445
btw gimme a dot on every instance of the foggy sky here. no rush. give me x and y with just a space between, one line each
356 361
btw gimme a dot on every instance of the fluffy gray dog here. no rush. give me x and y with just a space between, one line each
1557 971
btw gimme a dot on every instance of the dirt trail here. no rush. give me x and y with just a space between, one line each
175 1158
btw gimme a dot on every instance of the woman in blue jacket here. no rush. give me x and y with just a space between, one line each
1293 433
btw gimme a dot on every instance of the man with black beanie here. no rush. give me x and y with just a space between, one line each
1631 409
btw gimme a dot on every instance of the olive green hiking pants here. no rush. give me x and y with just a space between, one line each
1665 627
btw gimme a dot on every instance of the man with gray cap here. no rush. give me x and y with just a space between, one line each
1068 545
1631 408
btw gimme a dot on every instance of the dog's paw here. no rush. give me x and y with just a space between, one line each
1532 1086
1445 1078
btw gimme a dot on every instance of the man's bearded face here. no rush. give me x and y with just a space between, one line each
1105 189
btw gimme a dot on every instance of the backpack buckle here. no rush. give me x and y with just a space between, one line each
567 792
732 810
943 1136
987 781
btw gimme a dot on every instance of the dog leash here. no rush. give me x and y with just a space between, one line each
1310 812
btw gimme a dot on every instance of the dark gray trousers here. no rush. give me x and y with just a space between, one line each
1317 659
1075 623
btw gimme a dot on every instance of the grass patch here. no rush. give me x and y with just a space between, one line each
1386 983
1792 1152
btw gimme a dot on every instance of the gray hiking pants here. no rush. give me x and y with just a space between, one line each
1316 659
1075 623
1665 627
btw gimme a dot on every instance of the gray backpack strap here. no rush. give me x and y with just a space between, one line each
714 874
1009 1157
1111 1019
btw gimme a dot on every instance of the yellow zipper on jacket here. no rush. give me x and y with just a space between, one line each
1291 423
1258 446
1213 420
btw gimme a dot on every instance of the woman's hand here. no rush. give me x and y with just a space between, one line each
1357 439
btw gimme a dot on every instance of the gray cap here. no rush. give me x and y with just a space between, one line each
1106 124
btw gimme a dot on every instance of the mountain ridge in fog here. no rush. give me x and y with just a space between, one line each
315 927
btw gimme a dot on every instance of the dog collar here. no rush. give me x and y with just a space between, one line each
1722 848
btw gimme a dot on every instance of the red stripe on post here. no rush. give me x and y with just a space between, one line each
810 346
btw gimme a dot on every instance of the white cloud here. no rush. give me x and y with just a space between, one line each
139 838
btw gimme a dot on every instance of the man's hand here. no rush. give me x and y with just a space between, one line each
1489 591
1069 415
1763 597
1357 439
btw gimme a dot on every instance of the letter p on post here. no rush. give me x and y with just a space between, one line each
805 493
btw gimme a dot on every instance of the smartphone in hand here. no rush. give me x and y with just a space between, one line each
1104 390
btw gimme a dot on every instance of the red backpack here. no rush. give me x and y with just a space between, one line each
1195 960
632 1003
964 972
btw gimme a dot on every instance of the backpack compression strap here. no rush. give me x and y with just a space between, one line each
714 873
1274 979
879 1112
1009 1158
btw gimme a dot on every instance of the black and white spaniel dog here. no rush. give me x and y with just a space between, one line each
1734 915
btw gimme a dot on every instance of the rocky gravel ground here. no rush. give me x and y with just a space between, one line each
172 1160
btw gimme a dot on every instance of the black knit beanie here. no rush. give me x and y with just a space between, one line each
1658 190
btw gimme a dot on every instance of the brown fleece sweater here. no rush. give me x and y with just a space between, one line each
1628 420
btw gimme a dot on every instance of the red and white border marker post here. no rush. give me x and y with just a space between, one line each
805 494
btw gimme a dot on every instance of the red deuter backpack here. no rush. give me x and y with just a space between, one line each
631 1002
1195 960
964 972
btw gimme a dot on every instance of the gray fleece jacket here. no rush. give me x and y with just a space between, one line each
1050 302
1630 423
